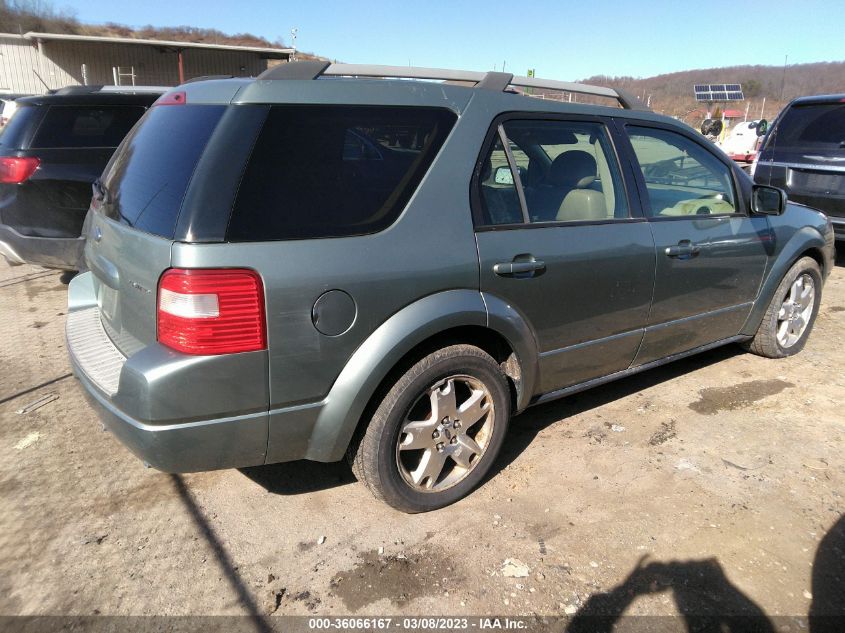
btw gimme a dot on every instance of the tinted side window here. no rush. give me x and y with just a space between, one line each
149 175
682 178
571 172
330 171
86 126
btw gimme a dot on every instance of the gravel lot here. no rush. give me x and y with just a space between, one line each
707 484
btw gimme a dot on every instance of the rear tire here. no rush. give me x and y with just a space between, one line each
436 433
789 319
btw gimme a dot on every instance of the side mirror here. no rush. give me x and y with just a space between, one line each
767 200
762 127
503 176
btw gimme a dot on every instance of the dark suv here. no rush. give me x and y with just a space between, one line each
51 151
291 267
804 154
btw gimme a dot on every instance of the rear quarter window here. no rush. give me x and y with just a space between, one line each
14 133
149 174
331 171
85 126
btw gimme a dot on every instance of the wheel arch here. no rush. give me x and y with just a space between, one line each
806 242
454 316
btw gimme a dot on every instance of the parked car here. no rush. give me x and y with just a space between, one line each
259 292
804 154
51 152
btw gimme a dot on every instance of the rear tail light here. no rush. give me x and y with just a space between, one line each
17 169
211 311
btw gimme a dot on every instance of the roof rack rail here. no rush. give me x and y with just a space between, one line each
496 81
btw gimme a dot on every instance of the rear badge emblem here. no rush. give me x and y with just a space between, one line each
138 286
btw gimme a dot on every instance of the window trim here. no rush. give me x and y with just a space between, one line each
497 127
517 181
645 200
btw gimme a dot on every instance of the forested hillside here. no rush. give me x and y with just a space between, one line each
672 94
20 16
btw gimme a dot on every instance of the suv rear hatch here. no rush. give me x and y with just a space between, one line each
804 154
136 211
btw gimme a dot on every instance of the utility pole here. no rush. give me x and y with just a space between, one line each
293 33
783 81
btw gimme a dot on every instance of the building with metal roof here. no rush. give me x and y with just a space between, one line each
33 62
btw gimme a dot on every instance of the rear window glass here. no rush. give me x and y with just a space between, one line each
149 175
327 171
86 126
820 126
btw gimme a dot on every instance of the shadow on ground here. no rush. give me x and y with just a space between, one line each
257 619
706 600
525 427
827 612
294 478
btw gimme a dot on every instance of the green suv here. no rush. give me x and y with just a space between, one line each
327 261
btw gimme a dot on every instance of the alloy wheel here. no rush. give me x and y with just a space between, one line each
445 433
796 310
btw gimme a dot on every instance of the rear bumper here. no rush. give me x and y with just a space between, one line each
63 253
182 448
129 395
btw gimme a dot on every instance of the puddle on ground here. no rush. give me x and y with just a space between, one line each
715 399
398 578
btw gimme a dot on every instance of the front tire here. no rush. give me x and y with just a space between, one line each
789 319
436 433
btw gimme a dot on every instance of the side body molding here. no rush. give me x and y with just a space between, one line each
372 361
800 241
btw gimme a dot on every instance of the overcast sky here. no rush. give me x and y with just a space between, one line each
561 39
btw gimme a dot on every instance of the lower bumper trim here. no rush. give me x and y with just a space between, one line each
63 253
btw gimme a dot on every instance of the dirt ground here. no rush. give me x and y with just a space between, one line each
706 484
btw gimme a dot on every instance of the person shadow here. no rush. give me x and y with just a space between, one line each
827 611
707 601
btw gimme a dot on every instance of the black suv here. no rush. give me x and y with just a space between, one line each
51 151
804 154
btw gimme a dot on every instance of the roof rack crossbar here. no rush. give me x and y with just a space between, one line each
309 69
498 82
485 80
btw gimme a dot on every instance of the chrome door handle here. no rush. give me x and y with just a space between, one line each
684 249
506 269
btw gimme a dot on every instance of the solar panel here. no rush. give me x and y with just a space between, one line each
718 92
